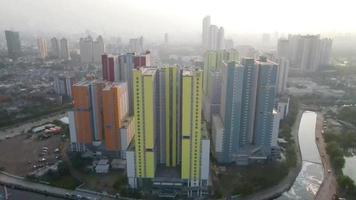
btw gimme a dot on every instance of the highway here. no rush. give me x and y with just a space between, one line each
14 194
21 184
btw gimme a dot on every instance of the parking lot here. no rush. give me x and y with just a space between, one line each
23 154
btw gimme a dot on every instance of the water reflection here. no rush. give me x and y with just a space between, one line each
350 169
310 177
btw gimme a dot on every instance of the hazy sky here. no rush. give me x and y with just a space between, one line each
154 17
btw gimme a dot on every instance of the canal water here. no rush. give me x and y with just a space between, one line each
350 167
311 175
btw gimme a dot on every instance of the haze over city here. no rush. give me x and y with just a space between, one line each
179 18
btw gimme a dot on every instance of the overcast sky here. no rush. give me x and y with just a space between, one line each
154 17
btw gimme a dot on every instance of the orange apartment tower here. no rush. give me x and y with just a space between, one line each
115 109
88 111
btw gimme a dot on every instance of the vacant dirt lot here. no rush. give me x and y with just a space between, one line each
19 154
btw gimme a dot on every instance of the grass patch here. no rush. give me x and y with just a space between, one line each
67 182
247 180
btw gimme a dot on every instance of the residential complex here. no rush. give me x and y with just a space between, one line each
170 147
100 116
156 118
306 52
242 130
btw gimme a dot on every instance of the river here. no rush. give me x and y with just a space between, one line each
311 175
349 168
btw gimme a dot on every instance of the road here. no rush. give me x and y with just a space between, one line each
14 194
20 183
328 187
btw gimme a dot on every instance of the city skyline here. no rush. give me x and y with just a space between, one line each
178 99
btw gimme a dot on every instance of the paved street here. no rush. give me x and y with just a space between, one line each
41 188
328 187
14 194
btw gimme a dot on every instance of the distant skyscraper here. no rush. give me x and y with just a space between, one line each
205 31
221 39
64 50
86 49
266 39
98 49
229 44
242 131
213 35
42 48
282 75
13 44
136 45
311 53
55 52
325 51
283 48
166 41
91 51
308 52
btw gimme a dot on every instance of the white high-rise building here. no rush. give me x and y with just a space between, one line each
55 48
64 49
306 52
213 37
91 51
98 49
86 49
42 48
311 53
205 31
283 48
136 45
229 44
325 51
282 75
221 39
